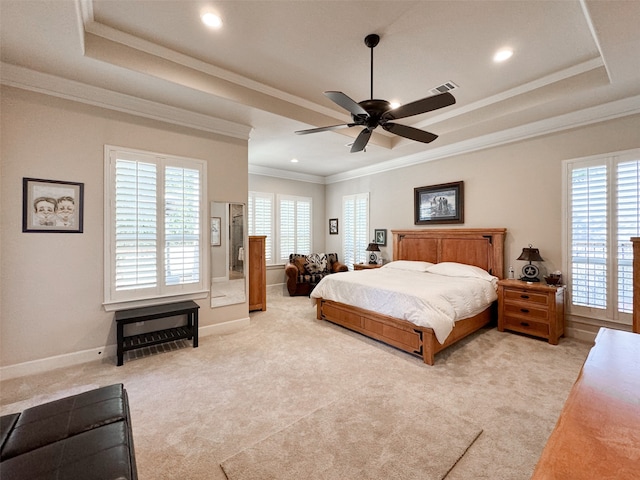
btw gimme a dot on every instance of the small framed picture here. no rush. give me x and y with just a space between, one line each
52 206
442 203
380 236
333 226
216 223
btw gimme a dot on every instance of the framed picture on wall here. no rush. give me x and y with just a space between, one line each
380 236
52 206
333 226
216 223
442 203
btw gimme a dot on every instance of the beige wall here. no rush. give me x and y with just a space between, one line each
52 284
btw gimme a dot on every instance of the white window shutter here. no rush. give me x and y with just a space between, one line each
153 227
260 220
355 228
604 202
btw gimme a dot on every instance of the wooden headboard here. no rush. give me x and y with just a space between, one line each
482 247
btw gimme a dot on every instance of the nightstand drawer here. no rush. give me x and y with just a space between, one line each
524 296
527 326
525 311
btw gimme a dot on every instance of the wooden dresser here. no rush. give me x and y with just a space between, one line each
257 273
598 433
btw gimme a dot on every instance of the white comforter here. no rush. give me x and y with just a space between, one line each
423 298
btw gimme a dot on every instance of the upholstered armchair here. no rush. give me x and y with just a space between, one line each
303 272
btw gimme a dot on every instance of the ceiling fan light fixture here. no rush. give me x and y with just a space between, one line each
502 55
211 20
394 104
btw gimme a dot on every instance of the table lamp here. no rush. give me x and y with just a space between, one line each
373 257
529 271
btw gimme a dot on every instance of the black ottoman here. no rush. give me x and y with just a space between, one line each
83 436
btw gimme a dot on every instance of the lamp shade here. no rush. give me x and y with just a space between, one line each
530 255
373 247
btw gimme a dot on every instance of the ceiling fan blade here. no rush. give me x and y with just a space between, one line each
347 103
410 132
324 129
361 141
420 106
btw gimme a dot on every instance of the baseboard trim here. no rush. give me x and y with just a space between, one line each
104 354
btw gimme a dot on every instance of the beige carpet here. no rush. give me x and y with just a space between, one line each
373 433
192 408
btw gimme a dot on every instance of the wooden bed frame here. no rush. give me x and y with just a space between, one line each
483 248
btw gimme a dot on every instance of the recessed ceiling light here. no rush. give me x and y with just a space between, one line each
211 20
294 160
502 55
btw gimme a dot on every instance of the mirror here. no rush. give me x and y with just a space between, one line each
227 254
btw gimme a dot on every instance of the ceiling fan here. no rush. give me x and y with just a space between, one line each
373 113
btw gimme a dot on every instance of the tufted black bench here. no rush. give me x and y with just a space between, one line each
84 436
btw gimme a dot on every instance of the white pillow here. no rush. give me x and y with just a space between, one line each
411 265
453 269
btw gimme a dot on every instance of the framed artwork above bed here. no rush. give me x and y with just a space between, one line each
437 204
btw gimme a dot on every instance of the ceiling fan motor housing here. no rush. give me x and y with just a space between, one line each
375 108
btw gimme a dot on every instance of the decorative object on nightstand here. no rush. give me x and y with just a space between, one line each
554 278
373 256
530 271
531 308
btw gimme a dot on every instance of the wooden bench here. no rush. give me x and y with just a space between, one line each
154 312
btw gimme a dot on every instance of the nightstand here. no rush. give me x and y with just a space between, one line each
365 266
532 308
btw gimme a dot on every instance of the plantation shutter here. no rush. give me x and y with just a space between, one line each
181 225
295 226
260 215
153 227
628 225
589 236
604 202
355 238
136 260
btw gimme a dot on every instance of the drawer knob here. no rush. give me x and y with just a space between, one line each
524 296
524 310
524 324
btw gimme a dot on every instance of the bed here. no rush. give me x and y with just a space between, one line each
483 248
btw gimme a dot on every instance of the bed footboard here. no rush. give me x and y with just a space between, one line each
401 334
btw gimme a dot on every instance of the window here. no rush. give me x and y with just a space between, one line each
295 226
260 215
355 228
153 226
292 231
602 194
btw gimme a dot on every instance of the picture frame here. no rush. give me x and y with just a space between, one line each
380 236
52 206
443 203
333 226
216 225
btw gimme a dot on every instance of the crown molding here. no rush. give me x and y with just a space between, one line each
588 116
34 81
285 174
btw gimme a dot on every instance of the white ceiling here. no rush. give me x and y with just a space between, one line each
264 73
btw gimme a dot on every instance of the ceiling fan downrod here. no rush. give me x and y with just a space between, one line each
371 41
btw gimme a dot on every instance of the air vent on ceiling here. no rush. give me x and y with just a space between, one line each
445 87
